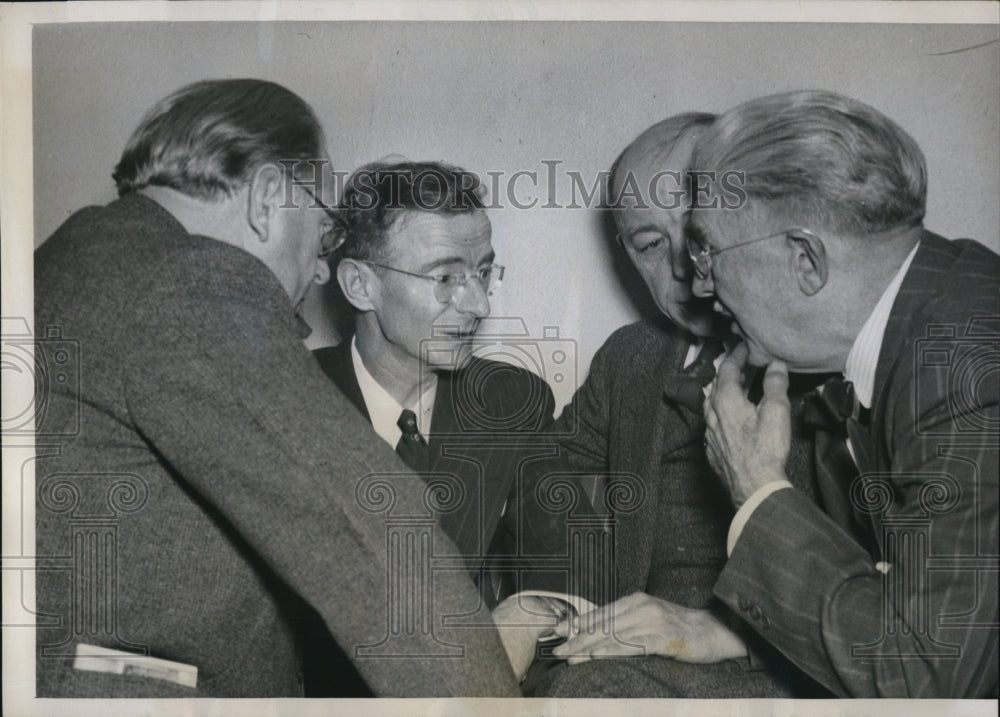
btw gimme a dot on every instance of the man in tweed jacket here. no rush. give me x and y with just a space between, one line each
213 484
891 588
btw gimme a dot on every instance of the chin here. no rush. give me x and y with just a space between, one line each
756 356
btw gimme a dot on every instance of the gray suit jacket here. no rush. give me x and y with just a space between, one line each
927 483
202 478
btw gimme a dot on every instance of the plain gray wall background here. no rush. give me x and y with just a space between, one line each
502 97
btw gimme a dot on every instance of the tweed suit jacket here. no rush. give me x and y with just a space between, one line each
202 479
925 625
485 417
669 540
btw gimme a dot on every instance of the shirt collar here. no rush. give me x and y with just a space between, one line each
698 343
862 361
383 409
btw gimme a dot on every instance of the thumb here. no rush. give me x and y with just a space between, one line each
730 371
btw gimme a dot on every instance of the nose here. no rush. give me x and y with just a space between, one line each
471 299
703 287
322 274
680 260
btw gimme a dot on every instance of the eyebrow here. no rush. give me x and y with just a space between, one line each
642 229
444 261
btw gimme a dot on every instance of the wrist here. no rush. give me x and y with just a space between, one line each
727 643
758 479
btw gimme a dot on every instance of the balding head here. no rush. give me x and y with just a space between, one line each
649 202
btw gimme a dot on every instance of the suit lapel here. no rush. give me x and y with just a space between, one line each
444 421
933 258
338 365
656 421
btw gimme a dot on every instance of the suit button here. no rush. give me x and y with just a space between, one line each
765 623
755 613
744 604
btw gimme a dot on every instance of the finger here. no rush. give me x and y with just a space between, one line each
729 390
579 644
774 408
711 417
611 648
706 402
731 369
708 388
776 380
577 648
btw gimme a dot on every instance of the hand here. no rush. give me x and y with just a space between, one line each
641 624
747 445
521 620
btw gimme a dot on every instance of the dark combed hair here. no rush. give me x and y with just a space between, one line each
207 139
816 155
378 194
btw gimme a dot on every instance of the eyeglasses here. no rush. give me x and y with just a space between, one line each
448 284
701 252
331 239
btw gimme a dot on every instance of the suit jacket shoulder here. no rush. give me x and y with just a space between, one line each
494 397
338 364
202 407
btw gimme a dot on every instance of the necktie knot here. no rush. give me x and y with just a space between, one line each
685 388
408 425
704 366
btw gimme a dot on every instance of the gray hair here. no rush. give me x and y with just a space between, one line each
206 139
820 156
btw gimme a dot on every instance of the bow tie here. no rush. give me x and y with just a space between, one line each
828 407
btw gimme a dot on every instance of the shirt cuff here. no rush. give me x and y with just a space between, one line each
747 509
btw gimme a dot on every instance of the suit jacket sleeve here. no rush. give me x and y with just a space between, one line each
553 488
222 388
928 626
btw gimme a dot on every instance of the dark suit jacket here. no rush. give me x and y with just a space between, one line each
928 463
198 478
671 513
465 441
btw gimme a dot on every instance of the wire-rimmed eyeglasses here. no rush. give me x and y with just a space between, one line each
332 238
448 284
701 252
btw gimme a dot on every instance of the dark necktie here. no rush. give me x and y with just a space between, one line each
412 447
686 387
827 411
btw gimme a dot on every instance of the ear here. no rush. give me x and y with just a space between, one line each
265 195
357 282
809 262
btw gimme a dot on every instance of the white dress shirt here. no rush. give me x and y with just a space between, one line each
384 410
